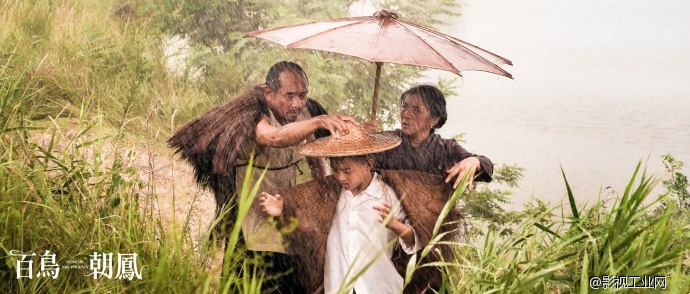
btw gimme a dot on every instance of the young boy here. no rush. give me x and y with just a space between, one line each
358 237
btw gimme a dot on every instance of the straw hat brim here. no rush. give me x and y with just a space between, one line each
356 142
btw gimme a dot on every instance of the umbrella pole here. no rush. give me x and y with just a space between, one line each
376 90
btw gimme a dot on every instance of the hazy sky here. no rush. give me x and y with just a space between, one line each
625 47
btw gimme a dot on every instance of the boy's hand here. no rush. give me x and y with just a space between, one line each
395 225
383 211
272 205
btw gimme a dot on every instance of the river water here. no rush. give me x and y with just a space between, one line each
597 88
597 142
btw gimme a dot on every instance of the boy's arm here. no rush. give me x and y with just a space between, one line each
413 246
405 232
407 235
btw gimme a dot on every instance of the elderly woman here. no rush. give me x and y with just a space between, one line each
423 110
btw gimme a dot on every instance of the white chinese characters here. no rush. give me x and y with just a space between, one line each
100 265
25 267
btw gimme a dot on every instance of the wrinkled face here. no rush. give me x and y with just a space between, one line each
352 174
415 117
287 102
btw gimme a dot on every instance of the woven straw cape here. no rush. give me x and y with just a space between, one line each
356 141
212 142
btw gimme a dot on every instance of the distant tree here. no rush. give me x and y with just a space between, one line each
229 63
221 23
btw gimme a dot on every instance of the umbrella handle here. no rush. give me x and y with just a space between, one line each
376 90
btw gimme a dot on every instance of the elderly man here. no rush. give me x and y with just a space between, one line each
267 121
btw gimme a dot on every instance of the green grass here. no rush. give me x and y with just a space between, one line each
551 252
82 195
86 104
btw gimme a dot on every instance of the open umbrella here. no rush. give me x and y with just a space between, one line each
383 38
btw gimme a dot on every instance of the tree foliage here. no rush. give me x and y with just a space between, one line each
343 84
484 206
677 185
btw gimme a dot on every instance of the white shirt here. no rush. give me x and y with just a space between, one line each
358 238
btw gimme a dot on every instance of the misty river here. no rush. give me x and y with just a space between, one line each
598 87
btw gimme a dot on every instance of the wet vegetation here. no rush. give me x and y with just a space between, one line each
87 101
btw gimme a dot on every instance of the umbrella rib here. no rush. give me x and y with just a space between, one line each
376 42
254 33
403 24
507 74
461 42
359 20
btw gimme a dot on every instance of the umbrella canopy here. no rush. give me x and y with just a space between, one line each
384 38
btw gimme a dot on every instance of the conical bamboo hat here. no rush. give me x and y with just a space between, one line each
356 142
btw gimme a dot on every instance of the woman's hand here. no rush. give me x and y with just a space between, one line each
371 126
469 166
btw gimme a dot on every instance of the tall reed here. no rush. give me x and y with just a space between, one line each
562 253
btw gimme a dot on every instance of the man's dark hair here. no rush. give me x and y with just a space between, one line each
434 101
273 75
358 158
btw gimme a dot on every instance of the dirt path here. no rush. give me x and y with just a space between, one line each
176 199
173 193
168 190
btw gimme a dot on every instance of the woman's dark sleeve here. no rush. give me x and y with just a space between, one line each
458 153
379 161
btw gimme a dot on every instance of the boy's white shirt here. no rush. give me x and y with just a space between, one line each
357 237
